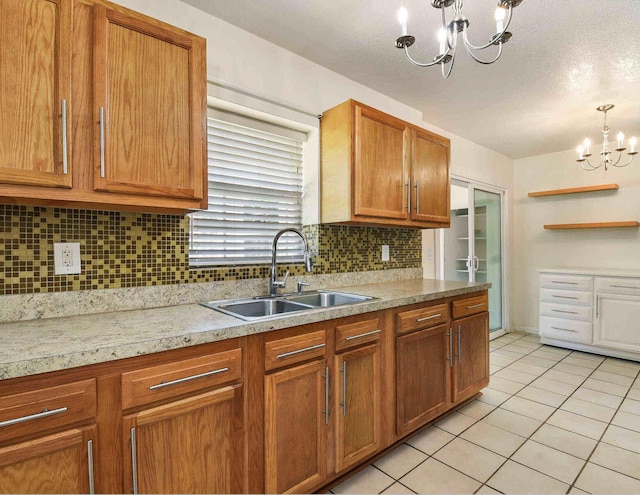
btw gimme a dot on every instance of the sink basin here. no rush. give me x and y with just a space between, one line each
263 307
328 298
252 309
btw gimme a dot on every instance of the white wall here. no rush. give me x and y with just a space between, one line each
538 248
244 60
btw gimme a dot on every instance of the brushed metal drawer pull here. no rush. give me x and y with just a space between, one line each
565 329
562 311
366 334
450 335
44 414
561 282
326 395
625 286
187 378
344 388
429 317
459 349
564 297
475 306
293 353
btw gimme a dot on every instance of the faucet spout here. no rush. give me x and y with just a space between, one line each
276 284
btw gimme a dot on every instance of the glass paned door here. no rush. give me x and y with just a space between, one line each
471 249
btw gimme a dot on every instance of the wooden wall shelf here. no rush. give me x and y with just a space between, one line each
599 225
574 190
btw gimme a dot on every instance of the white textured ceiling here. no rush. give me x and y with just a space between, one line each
566 57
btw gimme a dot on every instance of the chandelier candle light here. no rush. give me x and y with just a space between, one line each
448 34
584 150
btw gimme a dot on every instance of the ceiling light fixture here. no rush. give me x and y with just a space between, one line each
606 160
448 34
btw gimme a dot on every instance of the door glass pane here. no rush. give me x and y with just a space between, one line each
487 261
456 238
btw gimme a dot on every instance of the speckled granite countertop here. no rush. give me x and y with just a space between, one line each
39 346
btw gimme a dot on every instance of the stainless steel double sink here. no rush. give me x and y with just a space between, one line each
262 307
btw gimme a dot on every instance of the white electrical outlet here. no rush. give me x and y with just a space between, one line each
66 258
385 252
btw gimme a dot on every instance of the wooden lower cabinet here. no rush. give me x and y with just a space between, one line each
57 463
357 405
423 377
471 355
193 445
296 419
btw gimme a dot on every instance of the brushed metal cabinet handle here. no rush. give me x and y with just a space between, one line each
187 379
417 198
450 335
65 163
564 297
92 489
326 395
563 311
134 461
625 286
293 353
344 388
409 195
102 174
459 348
562 282
23 419
429 317
597 305
366 334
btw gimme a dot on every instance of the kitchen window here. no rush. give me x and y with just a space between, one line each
255 190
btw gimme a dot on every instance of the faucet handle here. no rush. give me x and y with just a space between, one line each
301 285
283 282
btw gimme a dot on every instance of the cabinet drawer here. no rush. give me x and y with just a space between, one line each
169 380
571 282
583 313
572 297
571 330
431 316
283 352
47 408
354 334
618 285
470 306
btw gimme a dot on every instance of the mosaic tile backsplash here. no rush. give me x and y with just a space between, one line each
126 249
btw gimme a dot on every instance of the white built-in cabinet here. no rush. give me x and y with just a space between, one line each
591 310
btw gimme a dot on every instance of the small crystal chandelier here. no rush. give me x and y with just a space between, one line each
606 159
448 34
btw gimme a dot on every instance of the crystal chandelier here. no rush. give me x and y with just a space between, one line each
448 34
606 158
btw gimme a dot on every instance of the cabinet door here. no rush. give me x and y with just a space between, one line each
150 107
34 83
193 445
296 428
616 324
423 376
357 405
380 165
58 463
471 356
429 178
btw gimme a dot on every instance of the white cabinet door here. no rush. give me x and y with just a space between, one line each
617 322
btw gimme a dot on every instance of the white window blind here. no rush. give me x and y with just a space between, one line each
255 190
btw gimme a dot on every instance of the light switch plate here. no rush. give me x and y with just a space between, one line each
385 252
66 258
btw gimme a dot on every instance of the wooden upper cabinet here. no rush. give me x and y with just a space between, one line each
149 107
430 177
34 87
371 163
379 187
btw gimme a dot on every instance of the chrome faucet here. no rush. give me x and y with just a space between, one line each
274 283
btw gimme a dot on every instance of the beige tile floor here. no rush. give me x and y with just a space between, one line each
551 421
